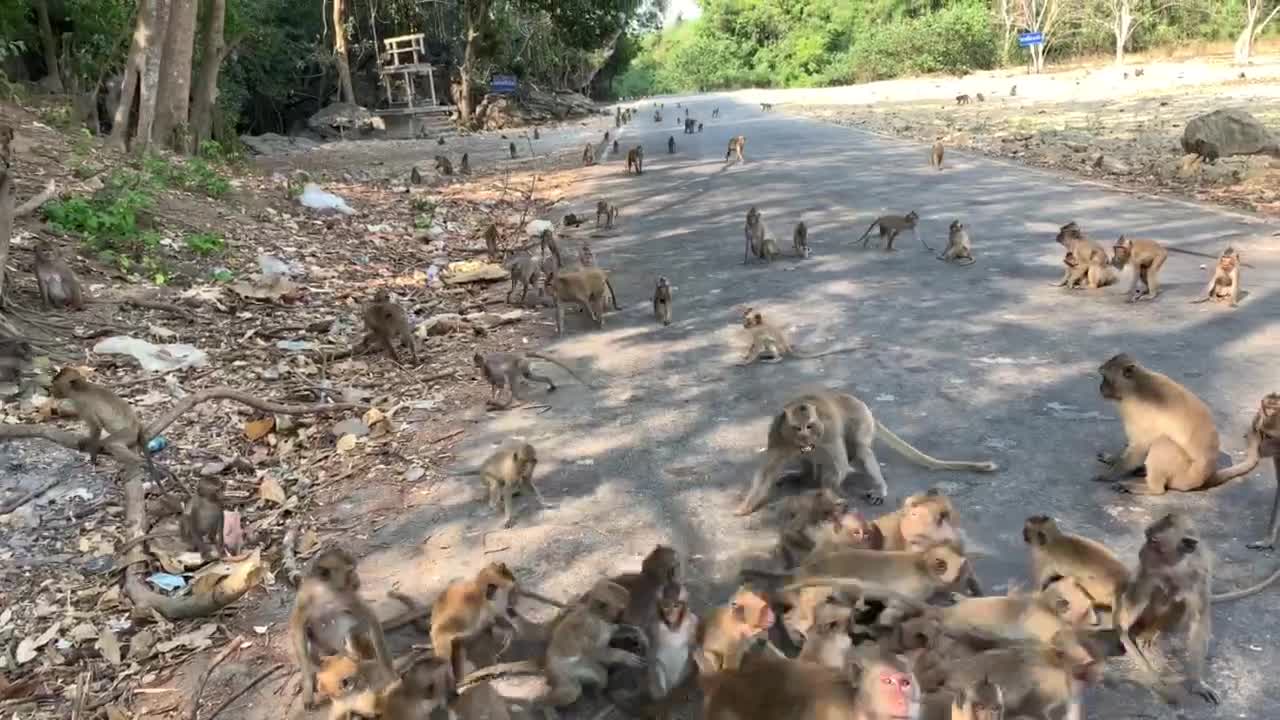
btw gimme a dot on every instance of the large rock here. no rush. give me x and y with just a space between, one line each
1223 133
273 144
341 118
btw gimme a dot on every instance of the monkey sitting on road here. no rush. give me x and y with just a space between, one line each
1263 441
635 160
608 211
443 166
505 370
958 250
662 301
800 239
1076 273
759 241
671 144
508 471
769 342
1225 283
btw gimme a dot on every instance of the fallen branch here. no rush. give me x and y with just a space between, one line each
11 505
36 201
226 653
289 555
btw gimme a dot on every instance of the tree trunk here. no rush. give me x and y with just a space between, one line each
6 222
206 87
174 99
149 78
50 45
130 75
1122 25
477 13
346 92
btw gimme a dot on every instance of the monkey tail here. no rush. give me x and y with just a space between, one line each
870 227
1222 476
1246 592
612 294
833 351
908 451
519 667
561 365
971 260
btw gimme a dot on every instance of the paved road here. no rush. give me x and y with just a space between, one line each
984 362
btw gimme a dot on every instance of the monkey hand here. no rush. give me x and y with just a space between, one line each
1122 489
1199 688
1107 458
631 660
874 498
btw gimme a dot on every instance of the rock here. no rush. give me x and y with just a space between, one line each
1075 146
273 144
1110 165
340 118
350 426
1227 132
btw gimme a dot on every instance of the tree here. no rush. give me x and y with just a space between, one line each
50 45
1252 28
212 54
346 92
1122 17
174 95
477 16
141 76
1041 16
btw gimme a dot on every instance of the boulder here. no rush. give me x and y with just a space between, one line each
1223 133
341 118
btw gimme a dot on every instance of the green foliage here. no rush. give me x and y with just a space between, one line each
205 243
109 220
193 174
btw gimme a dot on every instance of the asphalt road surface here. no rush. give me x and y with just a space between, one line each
984 362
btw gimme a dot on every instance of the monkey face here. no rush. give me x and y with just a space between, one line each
1071 601
926 520
337 569
802 423
1267 425
662 564
984 701
752 611
1117 376
1036 529
1170 540
499 586
896 692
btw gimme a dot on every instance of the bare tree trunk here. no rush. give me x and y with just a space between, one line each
1252 28
50 45
477 12
6 221
346 92
149 83
131 74
206 87
174 100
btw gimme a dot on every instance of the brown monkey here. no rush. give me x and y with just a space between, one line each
523 269
511 148
443 166
1013 91
579 651
572 220
841 428
827 641
660 568
200 525
759 241
1263 441
429 689
1147 257
737 144
464 167
662 301
800 239
980 97
415 177
58 284
727 632
671 642
1170 593
671 144
1078 273
585 287
548 240
914 575
1167 428
1225 283
385 321
586 258
505 370
699 127
958 248
102 410
820 521
935 155
507 471
635 159
962 100
329 618
1090 257
491 243
890 226
615 146
1089 562
608 211
1059 603
588 155
467 609
981 701
925 519
769 342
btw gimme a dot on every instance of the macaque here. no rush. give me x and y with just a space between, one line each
635 160
980 97
715 113
671 635
914 575
504 370
820 521
511 148
615 146
15 358
201 522
1054 552
608 211
443 166
1147 257
385 322
958 249
737 144
491 243
1013 91
690 125
464 166
579 651
766 107
769 342
759 241
572 220
727 632
588 155
1262 441
523 269
1090 257
586 258
508 471
58 284
585 287
962 100
935 155
800 239
468 609
890 226
329 618
415 177
671 144
1225 283
662 301
548 240
102 410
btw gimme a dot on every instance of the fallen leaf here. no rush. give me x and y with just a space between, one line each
269 489
109 647
373 416
255 430
28 647
141 644
346 443
197 639
83 631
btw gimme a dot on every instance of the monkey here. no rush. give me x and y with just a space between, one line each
890 226
1061 602
588 155
766 107
386 321
200 523
1225 282
841 428
983 700
329 618
443 166
958 249
662 301
1077 273
690 125
715 113
1262 441
962 100
57 282
464 167
1170 593
1013 91
507 370
440 140
1167 428
800 239
916 575
925 519
935 156
769 342
606 137
415 177
585 287
671 637
579 651
1090 256
759 241
820 521
1148 257
507 471
699 127
429 686
671 144
523 268
980 98
511 148
608 211
1139 72
586 258
1054 552
737 144
469 608
827 641
491 243
615 145
15 358
102 410
635 159
572 220
726 633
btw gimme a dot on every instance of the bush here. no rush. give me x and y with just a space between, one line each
206 243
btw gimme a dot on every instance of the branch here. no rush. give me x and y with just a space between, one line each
1258 29
39 199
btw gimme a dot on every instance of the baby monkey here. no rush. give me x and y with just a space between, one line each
935 156
890 226
1147 257
662 301
58 284
506 472
385 321
958 250
769 342
504 370
1224 286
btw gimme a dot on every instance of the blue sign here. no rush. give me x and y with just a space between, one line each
1029 39
503 84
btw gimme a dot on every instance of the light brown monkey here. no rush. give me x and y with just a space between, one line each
800 239
102 410
914 575
820 521
329 618
983 700
15 358
588 155
935 155
1225 283
925 519
958 249
608 211
1262 441
1170 592
507 471
200 524
385 321
662 301
1078 273
579 651
548 240
585 287
1167 429
737 144
469 608
523 270
759 241
1060 603
635 159
1089 562
1147 257
660 568
505 370
464 167
962 100
829 428
443 166
1091 259
511 148
727 632
57 282
491 243
980 97
615 146
586 258
827 641
769 342
890 226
